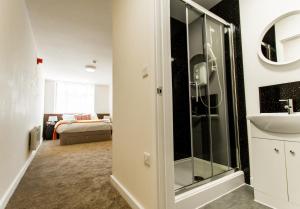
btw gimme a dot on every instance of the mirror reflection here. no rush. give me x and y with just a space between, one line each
281 43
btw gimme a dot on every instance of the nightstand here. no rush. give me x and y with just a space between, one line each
48 131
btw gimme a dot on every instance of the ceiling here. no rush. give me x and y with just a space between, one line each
71 34
178 8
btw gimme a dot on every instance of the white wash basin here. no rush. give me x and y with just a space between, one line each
277 122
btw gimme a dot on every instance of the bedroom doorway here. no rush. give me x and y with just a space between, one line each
74 47
75 54
70 118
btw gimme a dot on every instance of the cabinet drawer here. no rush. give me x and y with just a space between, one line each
269 171
292 150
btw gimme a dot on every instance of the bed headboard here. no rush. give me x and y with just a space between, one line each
101 115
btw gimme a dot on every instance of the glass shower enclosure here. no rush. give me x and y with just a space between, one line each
203 97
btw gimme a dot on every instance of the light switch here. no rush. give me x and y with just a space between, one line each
147 160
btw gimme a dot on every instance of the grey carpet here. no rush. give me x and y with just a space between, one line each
241 198
77 177
68 177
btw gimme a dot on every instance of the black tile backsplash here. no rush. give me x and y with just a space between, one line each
269 97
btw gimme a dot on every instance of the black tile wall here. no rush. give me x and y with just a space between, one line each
270 95
181 112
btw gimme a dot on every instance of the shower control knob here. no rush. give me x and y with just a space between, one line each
276 150
292 152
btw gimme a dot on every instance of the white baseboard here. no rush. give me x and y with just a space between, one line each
11 189
130 199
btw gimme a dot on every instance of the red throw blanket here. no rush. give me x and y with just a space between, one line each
61 122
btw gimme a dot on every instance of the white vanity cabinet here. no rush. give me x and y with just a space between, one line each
292 150
269 173
275 159
275 164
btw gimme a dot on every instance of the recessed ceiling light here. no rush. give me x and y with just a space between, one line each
90 68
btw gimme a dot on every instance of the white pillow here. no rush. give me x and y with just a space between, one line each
68 117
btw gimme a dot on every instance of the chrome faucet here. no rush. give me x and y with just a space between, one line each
289 105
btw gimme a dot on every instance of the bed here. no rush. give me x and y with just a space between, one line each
82 131
76 131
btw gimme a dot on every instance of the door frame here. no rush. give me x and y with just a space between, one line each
164 110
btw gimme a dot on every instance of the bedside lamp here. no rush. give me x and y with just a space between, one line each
52 119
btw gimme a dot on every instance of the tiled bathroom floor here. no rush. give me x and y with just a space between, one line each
241 198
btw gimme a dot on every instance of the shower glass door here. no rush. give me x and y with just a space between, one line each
200 106
218 105
199 99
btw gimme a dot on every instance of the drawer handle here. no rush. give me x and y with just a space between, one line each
276 150
292 152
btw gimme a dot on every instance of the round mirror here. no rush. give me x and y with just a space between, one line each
280 43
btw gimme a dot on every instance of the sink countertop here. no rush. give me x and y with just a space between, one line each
283 123
280 114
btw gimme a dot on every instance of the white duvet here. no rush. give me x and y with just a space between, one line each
72 127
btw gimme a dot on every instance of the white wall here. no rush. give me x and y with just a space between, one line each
256 15
21 84
287 38
102 98
49 96
134 99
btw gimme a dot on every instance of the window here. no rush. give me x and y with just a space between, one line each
74 97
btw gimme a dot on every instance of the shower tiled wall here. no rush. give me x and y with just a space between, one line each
181 112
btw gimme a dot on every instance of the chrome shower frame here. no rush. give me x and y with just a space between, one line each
230 29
